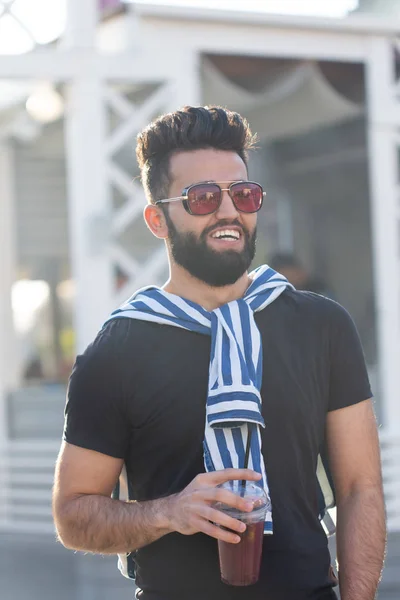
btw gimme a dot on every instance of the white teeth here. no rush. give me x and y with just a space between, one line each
232 233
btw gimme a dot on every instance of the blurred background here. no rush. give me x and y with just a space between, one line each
319 82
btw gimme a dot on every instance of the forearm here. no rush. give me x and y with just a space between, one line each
361 542
100 524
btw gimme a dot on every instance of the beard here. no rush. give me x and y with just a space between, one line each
216 269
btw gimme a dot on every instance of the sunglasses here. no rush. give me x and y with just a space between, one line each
205 198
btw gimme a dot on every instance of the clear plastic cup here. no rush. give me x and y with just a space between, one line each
240 563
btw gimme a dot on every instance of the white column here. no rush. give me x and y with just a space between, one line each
383 126
82 19
8 347
187 81
9 371
89 207
88 191
383 123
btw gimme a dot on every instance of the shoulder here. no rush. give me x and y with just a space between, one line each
112 346
118 335
308 305
306 314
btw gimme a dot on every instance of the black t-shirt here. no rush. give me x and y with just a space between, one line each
139 393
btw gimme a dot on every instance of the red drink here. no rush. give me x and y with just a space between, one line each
240 563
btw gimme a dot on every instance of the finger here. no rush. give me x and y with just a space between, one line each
213 495
222 519
216 532
224 475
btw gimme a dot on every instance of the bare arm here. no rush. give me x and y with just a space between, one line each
361 530
88 519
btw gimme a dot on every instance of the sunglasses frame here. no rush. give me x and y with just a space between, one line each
185 197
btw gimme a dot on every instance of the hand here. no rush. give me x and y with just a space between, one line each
191 510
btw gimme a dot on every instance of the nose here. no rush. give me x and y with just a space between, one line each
227 210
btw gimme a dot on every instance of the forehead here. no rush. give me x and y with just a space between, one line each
205 165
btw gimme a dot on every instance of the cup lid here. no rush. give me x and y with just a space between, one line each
249 491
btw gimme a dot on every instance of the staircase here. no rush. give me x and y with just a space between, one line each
26 476
27 460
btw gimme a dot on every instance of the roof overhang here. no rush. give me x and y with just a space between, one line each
354 23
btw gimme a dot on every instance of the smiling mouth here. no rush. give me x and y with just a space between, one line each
229 235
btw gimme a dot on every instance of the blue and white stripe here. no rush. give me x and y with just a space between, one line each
235 374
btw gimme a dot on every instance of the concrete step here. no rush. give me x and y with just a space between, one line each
38 568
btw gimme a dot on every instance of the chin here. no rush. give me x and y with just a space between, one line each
237 249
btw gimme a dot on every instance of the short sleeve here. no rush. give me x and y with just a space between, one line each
349 382
95 415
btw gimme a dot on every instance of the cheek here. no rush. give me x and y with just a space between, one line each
178 216
250 223
183 221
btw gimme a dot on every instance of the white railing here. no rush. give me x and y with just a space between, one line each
27 470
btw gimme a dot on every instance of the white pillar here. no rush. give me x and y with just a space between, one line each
187 82
8 348
9 365
88 191
82 19
89 207
384 142
383 124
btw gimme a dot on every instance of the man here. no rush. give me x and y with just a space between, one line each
175 378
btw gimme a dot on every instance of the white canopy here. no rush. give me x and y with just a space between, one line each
297 99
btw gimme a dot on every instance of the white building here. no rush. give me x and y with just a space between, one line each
323 96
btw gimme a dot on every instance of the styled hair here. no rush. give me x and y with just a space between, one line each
191 128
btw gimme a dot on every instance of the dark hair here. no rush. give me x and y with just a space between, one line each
191 128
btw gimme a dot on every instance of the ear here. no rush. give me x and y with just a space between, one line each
155 221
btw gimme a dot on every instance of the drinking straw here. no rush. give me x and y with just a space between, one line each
247 455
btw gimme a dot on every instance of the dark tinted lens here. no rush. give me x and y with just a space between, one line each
204 198
247 196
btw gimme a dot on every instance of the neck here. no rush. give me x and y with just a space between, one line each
181 283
